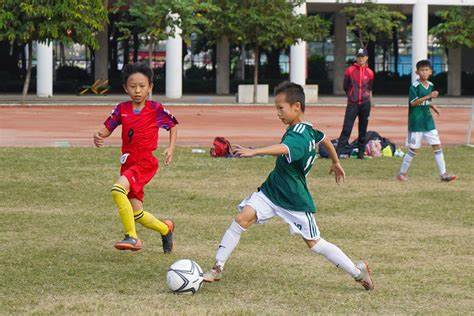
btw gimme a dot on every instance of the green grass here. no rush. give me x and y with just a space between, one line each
58 225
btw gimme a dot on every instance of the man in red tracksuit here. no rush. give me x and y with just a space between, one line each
358 82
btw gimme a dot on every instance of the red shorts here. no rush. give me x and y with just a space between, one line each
139 169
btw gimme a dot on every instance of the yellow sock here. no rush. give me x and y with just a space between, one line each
119 194
151 222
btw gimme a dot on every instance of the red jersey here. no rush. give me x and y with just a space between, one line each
140 129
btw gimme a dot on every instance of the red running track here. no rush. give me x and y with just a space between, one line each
248 125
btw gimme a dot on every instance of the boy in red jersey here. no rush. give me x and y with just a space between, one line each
140 119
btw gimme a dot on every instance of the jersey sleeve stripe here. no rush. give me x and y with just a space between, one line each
288 156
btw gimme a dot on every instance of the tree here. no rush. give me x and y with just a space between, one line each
456 28
68 21
372 23
157 20
455 31
264 24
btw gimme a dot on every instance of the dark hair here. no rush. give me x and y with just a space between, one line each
293 92
130 69
423 63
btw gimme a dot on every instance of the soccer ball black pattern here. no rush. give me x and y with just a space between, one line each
184 276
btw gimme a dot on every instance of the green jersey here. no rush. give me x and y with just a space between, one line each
419 116
286 184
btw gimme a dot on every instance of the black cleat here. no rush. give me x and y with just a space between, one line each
167 239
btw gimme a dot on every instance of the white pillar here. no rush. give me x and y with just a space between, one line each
44 70
420 34
298 55
339 53
174 66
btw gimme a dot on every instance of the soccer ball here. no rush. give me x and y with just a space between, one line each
184 276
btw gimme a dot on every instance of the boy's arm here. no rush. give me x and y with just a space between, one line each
100 136
274 150
435 109
432 95
336 167
170 150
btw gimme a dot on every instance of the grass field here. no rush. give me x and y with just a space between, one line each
58 225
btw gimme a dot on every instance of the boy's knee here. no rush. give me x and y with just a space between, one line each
118 190
246 218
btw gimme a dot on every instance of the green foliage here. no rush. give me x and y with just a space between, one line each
456 28
157 20
372 22
272 24
42 20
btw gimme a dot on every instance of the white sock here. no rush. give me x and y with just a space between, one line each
439 158
406 161
228 243
336 256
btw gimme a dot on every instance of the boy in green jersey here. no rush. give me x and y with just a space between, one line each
420 122
285 193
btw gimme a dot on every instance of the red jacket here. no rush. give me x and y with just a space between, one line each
358 82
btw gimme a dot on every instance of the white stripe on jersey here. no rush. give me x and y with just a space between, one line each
302 129
296 127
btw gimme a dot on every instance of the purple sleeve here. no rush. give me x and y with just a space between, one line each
165 119
114 119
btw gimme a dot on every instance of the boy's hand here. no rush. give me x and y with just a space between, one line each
339 173
434 94
98 140
243 151
435 109
168 155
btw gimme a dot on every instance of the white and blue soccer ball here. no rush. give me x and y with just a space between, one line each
184 276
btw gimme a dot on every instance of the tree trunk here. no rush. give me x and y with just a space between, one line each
136 46
126 51
384 57
395 52
222 74
150 54
62 54
113 52
240 73
255 73
26 83
23 59
371 51
273 63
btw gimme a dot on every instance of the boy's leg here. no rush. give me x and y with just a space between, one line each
402 175
119 195
441 164
335 255
229 241
439 158
165 228
349 118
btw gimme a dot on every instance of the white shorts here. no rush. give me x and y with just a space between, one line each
301 223
414 138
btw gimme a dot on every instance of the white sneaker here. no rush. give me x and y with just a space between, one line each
364 277
213 275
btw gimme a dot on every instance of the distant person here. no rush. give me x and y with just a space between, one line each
420 122
140 119
358 83
285 193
